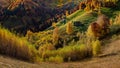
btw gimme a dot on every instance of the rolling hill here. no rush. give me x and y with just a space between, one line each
20 15
56 31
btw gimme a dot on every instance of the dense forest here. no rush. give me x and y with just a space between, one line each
34 15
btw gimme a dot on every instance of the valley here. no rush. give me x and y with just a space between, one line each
59 33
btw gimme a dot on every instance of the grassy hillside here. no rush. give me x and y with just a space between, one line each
20 15
44 40
65 41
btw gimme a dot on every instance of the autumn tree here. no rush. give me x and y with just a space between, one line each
69 28
94 30
87 8
29 34
69 0
60 2
99 28
54 24
55 36
117 20
99 9
103 21
96 47
66 13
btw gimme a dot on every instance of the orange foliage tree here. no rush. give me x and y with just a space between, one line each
104 23
99 28
56 36
94 30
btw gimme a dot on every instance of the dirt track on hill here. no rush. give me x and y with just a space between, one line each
110 58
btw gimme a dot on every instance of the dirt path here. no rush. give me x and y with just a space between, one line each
110 58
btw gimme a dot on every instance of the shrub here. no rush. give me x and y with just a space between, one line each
41 38
115 27
96 47
117 20
69 28
14 46
57 59
46 47
69 53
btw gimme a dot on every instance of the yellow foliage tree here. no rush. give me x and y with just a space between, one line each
69 28
94 30
66 12
99 9
111 21
117 20
96 47
89 32
69 0
87 8
28 35
54 24
56 36
60 2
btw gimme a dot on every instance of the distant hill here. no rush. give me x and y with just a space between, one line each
34 15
